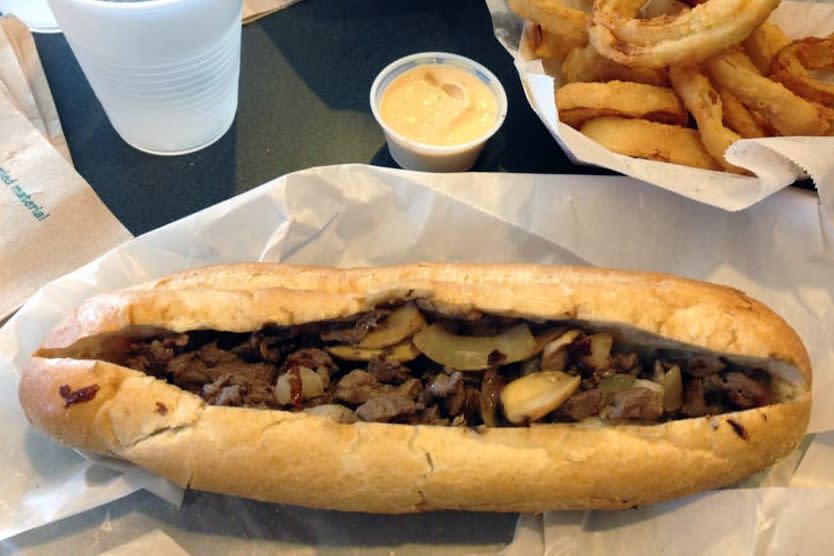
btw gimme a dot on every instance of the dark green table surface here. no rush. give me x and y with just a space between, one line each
305 78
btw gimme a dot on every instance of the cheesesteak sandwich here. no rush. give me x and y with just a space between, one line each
431 386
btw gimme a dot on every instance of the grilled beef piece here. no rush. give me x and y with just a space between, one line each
390 372
641 404
741 390
583 404
380 402
152 357
357 387
263 345
387 407
700 399
209 363
223 378
445 384
355 333
230 390
411 388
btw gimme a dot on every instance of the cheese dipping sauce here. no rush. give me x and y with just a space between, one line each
438 104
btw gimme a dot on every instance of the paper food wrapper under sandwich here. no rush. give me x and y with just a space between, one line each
779 251
776 161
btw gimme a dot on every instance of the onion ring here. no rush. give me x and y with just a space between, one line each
791 64
704 102
579 102
655 8
537 43
828 116
691 36
763 43
738 118
586 64
651 140
568 24
786 112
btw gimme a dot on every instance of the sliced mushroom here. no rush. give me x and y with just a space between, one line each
600 350
532 397
672 389
473 353
489 396
402 352
555 352
312 385
398 326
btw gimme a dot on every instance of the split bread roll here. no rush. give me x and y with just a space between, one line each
78 389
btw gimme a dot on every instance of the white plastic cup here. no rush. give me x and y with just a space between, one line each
165 71
413 155
34 13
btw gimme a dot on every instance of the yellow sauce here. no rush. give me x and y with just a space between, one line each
439 105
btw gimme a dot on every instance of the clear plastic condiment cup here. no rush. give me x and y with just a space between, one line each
413 155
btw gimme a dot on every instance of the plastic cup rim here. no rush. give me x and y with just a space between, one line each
427 148
139 4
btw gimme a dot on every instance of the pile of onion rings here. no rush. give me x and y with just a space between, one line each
791 64
788 113
623 65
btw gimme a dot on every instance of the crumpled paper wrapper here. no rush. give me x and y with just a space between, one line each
156 541
777 161
780 251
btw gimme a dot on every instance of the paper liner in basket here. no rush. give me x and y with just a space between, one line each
777 162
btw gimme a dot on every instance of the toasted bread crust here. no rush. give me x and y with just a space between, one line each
306 460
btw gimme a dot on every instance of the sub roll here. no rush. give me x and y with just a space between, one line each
399 389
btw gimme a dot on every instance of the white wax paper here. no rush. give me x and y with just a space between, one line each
155 541
777 161
779 251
